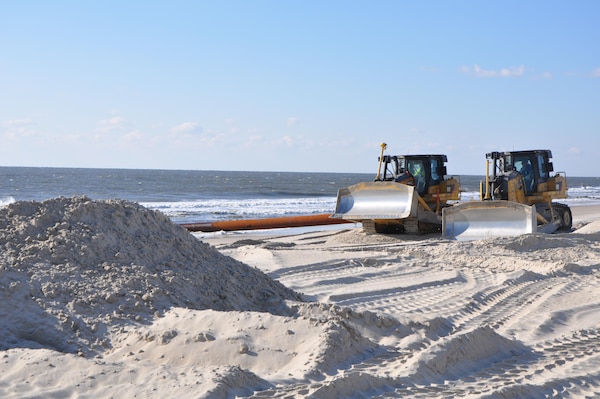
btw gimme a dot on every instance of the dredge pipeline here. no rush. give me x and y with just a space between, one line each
266 223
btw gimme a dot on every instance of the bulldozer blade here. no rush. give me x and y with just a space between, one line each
481 219
377 200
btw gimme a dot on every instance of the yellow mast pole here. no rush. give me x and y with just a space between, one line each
383 147
487 180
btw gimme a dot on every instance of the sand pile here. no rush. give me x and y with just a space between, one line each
590 228
73 270
165 315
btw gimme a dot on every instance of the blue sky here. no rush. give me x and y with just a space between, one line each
297 85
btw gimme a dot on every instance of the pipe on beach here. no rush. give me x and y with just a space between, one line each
266 223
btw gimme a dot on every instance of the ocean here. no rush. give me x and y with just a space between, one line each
188 196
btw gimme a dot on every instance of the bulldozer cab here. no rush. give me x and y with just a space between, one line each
422 171
533 167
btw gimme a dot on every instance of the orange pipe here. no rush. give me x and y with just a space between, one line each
267 223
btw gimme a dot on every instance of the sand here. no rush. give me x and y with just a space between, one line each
106 299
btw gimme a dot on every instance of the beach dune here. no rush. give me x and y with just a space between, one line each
138 306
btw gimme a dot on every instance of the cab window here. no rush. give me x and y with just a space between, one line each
417 170
434 171
541 162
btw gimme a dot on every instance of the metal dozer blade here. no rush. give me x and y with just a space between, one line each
480 219
377 200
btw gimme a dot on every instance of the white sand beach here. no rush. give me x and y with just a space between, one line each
105 299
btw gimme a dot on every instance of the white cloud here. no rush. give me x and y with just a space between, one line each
111 124
292 120
596 73
16 133
187 127
134 135
287 141
545 75
253 140
73 137
574 150
214 140
479 72
257 137
19 122
16 128
307 143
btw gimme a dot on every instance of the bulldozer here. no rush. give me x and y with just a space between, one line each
516 198
406 196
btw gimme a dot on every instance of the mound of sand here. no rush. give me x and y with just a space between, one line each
590 228
167 316
464 354
74 270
